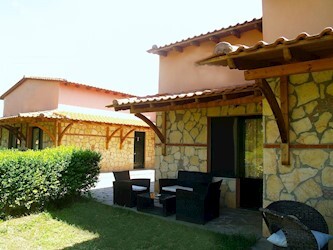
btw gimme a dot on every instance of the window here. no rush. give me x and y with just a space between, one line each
37 138
252 143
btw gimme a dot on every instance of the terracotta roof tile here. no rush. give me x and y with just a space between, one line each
223 32
264 54
262 45
114 117
159 98
63 81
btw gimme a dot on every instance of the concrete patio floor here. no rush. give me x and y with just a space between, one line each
231 221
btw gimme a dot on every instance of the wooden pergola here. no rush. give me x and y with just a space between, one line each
232 95
63 121
280 59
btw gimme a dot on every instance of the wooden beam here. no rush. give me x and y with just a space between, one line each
258 27
164 129
123 138
162 53
284 98
271 99
107 131
152 126
301 146
62 133
231 63
28 136
184 144
290 69
46 130
214 39
236 33
287 54
243 100
178 48
195 43
16 131
108 137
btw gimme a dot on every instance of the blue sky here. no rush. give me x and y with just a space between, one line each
103 43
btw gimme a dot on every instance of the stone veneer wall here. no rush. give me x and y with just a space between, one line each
186 134
309 178
113 159
47 142
4 138
93 137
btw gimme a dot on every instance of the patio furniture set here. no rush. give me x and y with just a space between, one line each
193 196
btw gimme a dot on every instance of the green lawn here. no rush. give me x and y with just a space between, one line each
91 225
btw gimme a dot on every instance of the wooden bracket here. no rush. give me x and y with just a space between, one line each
15 131
285 154
108 137
152 126
161 135
122 138
46 130
62 133
267 91
284 98
164 133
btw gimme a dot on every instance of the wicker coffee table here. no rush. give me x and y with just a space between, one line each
159 204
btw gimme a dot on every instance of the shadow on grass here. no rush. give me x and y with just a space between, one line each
120 228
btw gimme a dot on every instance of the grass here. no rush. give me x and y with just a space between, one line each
87 224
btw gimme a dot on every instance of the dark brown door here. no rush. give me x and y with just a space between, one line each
139 149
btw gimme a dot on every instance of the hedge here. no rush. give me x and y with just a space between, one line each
31 179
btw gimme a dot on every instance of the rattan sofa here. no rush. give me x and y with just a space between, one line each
200 205
186 180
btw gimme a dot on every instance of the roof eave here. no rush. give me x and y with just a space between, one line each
255 24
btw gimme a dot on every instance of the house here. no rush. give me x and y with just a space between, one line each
48 112
259 114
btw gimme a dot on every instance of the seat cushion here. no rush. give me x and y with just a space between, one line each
138 188
279 239
175 187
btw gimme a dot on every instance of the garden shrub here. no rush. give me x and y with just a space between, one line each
31 179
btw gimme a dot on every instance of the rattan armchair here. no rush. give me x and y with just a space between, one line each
296 220
200 205
125 189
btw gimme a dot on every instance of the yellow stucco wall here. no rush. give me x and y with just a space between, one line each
23 98
178 72
288 18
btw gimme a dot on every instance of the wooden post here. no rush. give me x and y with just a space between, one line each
285 153
164 132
